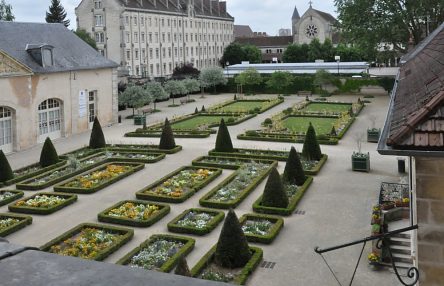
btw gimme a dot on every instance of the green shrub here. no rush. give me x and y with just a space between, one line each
333 131
231 120
97 139
288 111
223 139
5 169
232 250
251 133
235 97
167 141
48 156
257 109
196 111
311 150
203 108
294 172
182 268
268 121
274 192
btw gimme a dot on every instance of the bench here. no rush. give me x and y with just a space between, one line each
147 110
183 101
304 93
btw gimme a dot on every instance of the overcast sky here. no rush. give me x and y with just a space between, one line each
262 15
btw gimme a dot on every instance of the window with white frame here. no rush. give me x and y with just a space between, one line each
98 20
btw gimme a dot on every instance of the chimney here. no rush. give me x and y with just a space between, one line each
202 6
216 6
223 8
210 3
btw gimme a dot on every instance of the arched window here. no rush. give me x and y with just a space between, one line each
5 129
50 119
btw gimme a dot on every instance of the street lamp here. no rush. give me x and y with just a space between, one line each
338 60
226 65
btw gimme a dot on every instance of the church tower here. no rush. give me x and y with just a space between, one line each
294 19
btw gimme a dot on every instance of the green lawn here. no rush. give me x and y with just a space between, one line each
195 122
243 106
300 124
332 107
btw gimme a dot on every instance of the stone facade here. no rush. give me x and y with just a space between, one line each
313 24
150 38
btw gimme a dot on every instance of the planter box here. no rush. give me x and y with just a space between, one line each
122 236
146 148
69 199
23 221
14 196
253 154
361 163
148 193
135 167
373 135
246 271
39 171
277 224
150 158
218 216
161 212
167 266
231 163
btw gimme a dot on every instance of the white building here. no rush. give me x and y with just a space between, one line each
149 38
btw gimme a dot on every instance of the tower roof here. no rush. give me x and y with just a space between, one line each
295 14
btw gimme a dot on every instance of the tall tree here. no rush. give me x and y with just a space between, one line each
252 54
233 54
211 77
156 92
250 77
175 88
56 13
135 96
280 81
85 36
6 11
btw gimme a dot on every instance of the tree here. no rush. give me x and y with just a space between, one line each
167 141
135 96
322 78
315 51
97 139
175 88
6 11
86 37
280 81
274 192
191 85
311 151
185 71
223 139
250 77
5 169
48 156
252 54
211 77
182 267
156 91
296 54
232 250
294 172
233 54
56 13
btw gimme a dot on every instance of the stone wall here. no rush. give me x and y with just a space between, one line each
430 215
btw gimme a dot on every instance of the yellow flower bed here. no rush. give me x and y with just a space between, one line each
99 177
133 211
41 201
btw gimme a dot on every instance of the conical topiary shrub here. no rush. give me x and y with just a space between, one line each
48 156
97 139
203 108
333 131
223 139
5 169
182 268
294 172
196 111
311 150
274 192
232 250
167 141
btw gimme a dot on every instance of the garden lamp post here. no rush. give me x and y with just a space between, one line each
226 65
338 60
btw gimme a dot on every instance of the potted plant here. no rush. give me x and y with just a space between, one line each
402 203
360 161
373 133
374 260
387 205
376 229
376 219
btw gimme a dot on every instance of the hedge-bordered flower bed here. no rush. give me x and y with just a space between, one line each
150 133
179 185
196 221
146 148
293 201
42 203
232 163
233 190
242 276
31 171
10 223
160 252
99 178
134 213
89 241
134 156
8 196
261 228
282 137
271 103
253 154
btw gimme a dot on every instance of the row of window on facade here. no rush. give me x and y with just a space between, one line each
270 51
166 37
142 70
178 52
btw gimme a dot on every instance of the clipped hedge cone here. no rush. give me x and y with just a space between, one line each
223 139
333 131
167 141
49 155
182 268
274 192
232 250
294 172
311 150
97 139
5 169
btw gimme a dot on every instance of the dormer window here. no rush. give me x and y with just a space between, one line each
48 60
98 4
42 54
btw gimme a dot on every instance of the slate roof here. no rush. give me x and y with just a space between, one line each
416 117
70 53
242 31
277 41
327 17
295 14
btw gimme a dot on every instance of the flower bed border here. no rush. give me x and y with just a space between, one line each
163 211
18 195
170 263
286 138
157 133
24 221
257 207
196 162
70 199
211 225
251 265
141 195
278 224
278 101
135 168
206 202
127 147
33 174
126 232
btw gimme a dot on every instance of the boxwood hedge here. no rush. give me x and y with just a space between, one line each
69 199
268 238
218 216
23 221
16 195
238 162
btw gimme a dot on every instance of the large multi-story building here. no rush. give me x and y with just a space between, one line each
149 38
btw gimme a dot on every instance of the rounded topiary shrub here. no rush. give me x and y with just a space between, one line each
48 156
232 250
311 150
97 139
182 268
231 120
294 172
223 139
274 192
5 169
167 141
268 121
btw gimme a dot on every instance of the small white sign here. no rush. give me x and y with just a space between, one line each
83 104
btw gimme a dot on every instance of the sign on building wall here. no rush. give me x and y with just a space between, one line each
83 104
